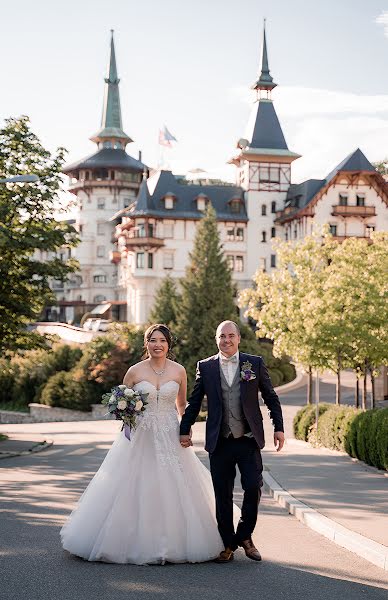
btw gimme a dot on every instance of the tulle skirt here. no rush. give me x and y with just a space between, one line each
150 502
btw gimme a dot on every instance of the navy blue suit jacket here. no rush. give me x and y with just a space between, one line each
208 382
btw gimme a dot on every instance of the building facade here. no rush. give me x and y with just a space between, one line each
136 227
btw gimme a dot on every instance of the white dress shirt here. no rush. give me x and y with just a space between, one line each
229 365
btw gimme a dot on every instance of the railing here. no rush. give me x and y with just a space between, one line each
353 211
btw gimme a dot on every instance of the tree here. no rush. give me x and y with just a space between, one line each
382 166
166 302
28 228
207 294
326 304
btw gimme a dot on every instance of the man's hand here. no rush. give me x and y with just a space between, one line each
185 440
278 440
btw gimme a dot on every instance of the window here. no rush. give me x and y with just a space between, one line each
269 174
140 260
168 260
201 202
239 234
102 174
235 206
87 174
168 230
239 264
263 236
369 229
273 232
230 234
273 260
169 202
295 233
141 231
99 278
333 229
263 264
101 203
230 261
286 236
360 200
100 251
263 210
273 207
100 228
99 298
112 174
150 230
80 228
150 260
343 200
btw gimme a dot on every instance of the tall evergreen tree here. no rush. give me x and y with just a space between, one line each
165 305
207 294
28 226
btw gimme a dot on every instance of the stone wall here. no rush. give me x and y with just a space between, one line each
40 413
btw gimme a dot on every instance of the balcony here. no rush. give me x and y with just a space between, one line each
115 257
353 211
341 238
143 238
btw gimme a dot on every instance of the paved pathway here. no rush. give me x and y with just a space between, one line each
38 492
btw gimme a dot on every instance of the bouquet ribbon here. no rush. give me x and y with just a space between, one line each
127 432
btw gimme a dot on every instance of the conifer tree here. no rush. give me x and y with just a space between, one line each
165 305
207 295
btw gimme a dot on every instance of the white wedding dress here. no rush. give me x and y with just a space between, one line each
151 501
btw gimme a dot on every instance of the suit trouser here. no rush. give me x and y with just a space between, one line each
229 453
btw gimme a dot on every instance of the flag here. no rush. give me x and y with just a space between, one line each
165 137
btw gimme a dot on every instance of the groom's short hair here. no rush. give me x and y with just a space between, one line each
232 323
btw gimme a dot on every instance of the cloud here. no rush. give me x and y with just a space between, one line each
383 20
324 126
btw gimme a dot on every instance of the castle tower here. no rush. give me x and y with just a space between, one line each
263 166
104 183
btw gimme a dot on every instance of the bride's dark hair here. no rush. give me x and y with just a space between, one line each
167 334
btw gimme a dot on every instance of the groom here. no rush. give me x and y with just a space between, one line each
231 380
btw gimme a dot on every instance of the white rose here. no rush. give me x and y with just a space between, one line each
129 393
122 387
122 404
139 405
112 399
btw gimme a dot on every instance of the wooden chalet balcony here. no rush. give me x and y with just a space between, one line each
353 211
142 239
115 256
342 238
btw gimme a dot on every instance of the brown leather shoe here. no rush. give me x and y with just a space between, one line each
225 556
250 550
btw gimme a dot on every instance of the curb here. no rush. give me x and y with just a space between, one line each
370 550
299 381
38 447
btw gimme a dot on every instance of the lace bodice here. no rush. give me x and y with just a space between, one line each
162 400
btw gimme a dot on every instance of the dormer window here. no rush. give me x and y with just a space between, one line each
202 201
169 200
236 205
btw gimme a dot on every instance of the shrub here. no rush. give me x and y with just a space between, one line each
368 437
66 390
289 372
333 426
8 377
276 376
305 419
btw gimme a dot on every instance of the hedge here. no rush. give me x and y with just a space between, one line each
66 390
362 434
305 419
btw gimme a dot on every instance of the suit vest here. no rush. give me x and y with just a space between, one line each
233 419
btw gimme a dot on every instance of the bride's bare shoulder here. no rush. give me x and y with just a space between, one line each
178 368
131 375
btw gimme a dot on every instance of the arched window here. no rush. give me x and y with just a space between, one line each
273 206
263 236
264 210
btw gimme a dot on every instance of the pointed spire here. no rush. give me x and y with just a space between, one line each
265 81
111 123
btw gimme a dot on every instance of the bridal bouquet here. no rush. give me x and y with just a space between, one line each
126 404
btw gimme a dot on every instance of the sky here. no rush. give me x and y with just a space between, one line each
189 64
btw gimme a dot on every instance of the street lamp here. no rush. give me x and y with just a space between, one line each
21 179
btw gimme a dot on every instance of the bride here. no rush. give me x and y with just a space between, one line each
151 501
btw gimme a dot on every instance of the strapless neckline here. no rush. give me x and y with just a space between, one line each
154 386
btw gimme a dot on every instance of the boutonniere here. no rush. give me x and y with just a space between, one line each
247 373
